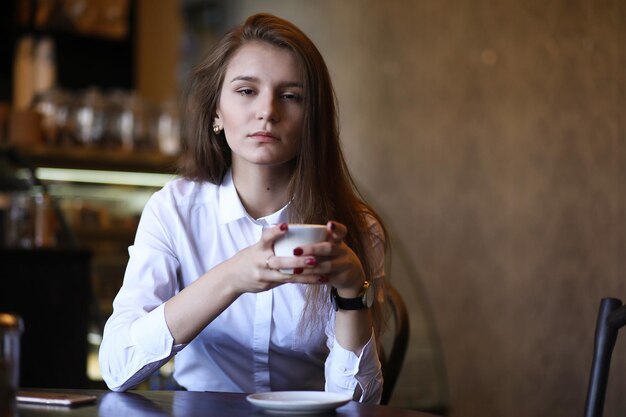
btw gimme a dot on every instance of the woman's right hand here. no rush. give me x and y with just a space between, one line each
198 304
253 269
248 270
256 268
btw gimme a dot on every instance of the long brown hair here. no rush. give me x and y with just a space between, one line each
321 187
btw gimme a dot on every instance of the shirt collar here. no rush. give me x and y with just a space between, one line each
231 208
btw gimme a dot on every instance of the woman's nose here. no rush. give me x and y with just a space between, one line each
268 109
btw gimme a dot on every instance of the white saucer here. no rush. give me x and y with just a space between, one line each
298 402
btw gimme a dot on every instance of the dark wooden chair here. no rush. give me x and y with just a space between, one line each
611 317
392 362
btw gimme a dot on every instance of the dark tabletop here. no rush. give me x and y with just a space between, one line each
187 404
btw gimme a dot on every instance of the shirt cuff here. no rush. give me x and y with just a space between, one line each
348 369
152 336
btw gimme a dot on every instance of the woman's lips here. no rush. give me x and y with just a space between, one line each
263 136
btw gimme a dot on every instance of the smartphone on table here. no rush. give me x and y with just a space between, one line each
54 398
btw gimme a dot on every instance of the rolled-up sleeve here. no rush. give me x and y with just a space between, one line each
136 340
359 376
128 359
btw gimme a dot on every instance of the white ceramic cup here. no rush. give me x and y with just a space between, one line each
298 235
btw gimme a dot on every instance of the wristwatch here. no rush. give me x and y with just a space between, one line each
365 299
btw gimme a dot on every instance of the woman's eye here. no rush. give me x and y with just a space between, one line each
291 96
245 91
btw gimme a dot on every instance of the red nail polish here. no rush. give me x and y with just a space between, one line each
297 251
283 226
332 226
311 261
298 270
323 279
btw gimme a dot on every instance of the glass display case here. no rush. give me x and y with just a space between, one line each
99 196
81 154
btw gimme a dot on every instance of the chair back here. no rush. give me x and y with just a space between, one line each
611 317
392 362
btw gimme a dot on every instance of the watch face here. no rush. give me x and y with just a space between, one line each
368 296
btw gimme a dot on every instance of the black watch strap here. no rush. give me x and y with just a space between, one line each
340 303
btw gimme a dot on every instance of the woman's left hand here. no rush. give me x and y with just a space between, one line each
335 262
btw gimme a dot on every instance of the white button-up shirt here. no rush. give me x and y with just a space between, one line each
255 345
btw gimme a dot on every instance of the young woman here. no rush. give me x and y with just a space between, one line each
203 284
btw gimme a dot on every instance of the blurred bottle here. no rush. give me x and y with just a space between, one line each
5 204
45 222
168 128
115 110
44 62
20 226
90 117
11 328
31 221
23 74
54 108
135 124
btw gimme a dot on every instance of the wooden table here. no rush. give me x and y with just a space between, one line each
187 404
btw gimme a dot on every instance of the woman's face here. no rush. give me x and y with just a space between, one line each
260 106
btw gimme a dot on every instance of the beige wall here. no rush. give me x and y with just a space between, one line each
492 137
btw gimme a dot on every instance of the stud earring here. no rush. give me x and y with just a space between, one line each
217 129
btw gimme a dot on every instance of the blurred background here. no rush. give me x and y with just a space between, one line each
490 135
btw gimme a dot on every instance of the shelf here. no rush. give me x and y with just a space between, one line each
99 159
70 36
125 235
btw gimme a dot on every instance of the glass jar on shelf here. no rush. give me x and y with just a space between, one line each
90 117
31 221
54 107
114 112
168 128
135 124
